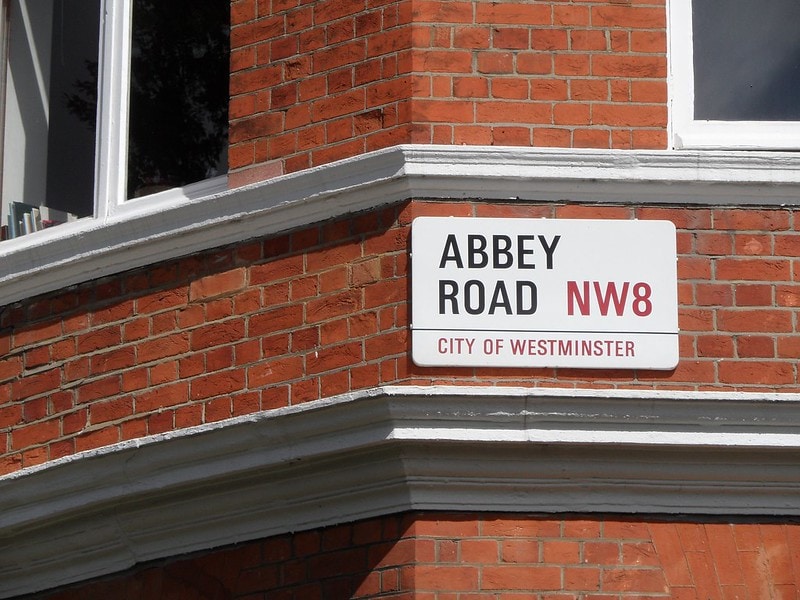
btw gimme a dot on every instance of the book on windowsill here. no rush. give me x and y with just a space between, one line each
26 218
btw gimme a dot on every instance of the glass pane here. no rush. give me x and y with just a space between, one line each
178 122
51 100
746 59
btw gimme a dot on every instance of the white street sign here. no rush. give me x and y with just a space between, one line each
544 293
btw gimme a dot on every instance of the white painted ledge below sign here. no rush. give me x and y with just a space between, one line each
544 293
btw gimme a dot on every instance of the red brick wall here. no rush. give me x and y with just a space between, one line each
324 310
432 556
313 82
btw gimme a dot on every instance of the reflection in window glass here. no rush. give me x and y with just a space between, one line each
746 60
179 94
49 140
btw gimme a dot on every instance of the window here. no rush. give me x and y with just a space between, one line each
735 73
107 101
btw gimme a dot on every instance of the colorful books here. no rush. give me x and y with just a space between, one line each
26 218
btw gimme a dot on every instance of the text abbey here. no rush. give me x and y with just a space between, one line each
476 296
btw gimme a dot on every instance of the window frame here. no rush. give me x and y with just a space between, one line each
686 132
111 133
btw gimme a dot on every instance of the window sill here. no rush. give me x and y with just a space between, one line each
159 228
739 135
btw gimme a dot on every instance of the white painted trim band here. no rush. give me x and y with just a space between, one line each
161 228
396 449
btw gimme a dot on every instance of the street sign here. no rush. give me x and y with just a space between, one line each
544 293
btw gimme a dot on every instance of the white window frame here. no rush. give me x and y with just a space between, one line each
112 132
111 136
688 132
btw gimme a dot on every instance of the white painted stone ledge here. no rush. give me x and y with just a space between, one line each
149 230
396 449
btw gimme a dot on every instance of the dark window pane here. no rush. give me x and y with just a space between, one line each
179 93
746 59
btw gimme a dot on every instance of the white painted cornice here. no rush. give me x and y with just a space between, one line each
158 228
395 449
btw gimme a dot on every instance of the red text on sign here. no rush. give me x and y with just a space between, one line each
609 296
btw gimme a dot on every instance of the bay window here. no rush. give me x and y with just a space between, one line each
110 101
735 67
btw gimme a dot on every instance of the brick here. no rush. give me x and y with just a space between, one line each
10 416
471 37
628 16
539 63
571 114
164 372
38 333
10 368
721 346
588 39
753 245
702 569
275 371
159 301
39 383
75 422
225 332
332 306
640 554
115 312
633 580
223 382
443 527
753 269
255 31
571 15
722 544
216 285
514 112
114 360
742 320
714 294
100 388
510 89
572 64
650 42
755 347
753 294
633 115
447 578
591 138
97 438
752 220
788 295
511 38
787 245
588 90
112 410
585 579
252 80
538 578
134 379
757 372
561 552
163 323
335 357
478 551
713 243
601 553
162 347
37 433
